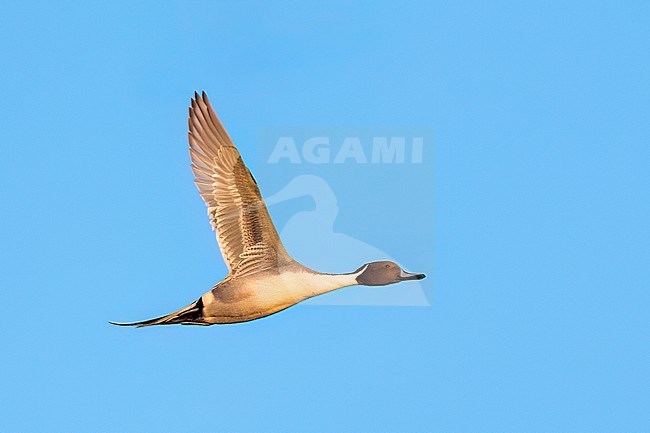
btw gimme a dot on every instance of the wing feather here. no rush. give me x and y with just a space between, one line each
246 235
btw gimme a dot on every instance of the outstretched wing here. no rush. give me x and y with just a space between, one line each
246 235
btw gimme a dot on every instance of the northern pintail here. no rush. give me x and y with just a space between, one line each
263 278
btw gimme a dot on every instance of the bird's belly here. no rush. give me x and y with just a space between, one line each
253 299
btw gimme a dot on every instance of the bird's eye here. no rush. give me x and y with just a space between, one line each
387 266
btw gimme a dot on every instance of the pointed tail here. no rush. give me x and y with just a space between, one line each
190 315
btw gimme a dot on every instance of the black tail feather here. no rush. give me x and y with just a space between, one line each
190 315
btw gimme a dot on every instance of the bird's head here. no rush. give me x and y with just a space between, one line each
383 273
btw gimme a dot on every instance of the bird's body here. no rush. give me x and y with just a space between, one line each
263 278
265 294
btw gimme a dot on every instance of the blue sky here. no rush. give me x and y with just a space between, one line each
531 222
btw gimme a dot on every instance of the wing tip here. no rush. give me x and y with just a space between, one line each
197 96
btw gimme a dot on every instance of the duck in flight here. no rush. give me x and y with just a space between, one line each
263 278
